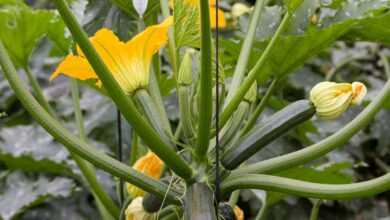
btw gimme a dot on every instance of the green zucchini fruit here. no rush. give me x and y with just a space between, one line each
199 203
153 203
264 133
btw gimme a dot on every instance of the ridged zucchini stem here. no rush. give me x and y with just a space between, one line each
307 189
199 203
243 59
153 115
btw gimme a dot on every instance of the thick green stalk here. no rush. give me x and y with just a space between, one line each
259 108
134 148
323 147
242 63
307 189
155 93
86 168
205 88
73 143
250 79
125 105
38 91
153 115
199 203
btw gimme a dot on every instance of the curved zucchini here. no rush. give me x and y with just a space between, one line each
264 133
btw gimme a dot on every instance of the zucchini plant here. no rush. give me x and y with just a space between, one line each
195 169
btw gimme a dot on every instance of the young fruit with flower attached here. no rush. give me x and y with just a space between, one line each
327 99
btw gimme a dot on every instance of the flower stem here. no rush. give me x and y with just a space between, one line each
125 104
38 91
307 189
86 168
250 79
246 49
315 210
205 92
260 108
321 148
263 210
234 198
73 143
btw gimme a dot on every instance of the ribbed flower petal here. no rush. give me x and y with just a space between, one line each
332 99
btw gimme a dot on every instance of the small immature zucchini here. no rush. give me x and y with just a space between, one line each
264 133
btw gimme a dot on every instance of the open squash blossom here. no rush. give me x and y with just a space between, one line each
213 12
150 165
128 62
135 211
238 213
332 99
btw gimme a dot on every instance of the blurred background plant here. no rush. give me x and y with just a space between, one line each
46 182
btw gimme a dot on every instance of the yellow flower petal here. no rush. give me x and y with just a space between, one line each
150 165
75 67
221 18
128 62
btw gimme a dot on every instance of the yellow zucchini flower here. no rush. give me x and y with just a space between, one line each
150 165
128 62
238 213
332 99
213 15
135 211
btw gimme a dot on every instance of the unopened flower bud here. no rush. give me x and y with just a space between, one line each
185 71
251 95
239 9
150 165
332 99
135 211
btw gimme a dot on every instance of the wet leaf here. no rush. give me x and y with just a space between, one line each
20 192
30 148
